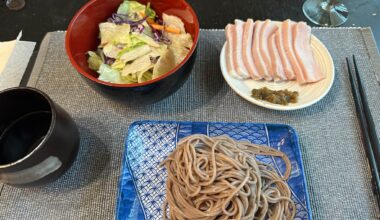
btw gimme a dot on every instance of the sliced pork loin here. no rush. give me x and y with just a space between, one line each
277 68
256 52
288 40
247 50
270 51
284 58
302 48
230 31
267 30
240 67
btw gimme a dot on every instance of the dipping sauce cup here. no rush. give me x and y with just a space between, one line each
38 139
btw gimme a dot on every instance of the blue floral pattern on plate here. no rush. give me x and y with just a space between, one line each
142 183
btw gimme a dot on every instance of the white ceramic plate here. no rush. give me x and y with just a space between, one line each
308 94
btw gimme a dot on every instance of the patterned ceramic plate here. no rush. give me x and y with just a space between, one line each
308 94
142 182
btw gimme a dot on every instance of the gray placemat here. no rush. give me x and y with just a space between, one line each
338 176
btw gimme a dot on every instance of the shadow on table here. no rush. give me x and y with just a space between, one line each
204 84
93 157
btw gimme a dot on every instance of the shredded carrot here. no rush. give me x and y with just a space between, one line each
157 26
150 21
165 28
172 30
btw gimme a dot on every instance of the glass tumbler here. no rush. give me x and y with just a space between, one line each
15 4
325 12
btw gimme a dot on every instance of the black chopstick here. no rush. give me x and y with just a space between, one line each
371 143
367 111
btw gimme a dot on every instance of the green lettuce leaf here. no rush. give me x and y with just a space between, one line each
149 11
118 65
130 78
135 53
114 34
144 38
111 50
144 76
128 7
94 60
132 44
107 74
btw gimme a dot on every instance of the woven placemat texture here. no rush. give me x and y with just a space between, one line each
337 173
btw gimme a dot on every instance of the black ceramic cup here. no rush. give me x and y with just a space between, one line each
38 139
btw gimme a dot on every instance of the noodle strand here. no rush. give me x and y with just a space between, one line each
220 178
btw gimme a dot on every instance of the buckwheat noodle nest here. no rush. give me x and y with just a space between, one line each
220 178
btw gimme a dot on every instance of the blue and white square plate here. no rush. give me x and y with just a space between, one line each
142 181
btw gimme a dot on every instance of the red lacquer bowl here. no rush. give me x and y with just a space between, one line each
82 36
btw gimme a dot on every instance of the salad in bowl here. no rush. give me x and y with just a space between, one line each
137 46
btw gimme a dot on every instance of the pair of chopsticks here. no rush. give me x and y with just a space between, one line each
371 142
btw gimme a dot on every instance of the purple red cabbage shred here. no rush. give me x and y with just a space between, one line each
137 26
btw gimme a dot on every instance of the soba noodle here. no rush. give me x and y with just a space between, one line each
219 178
